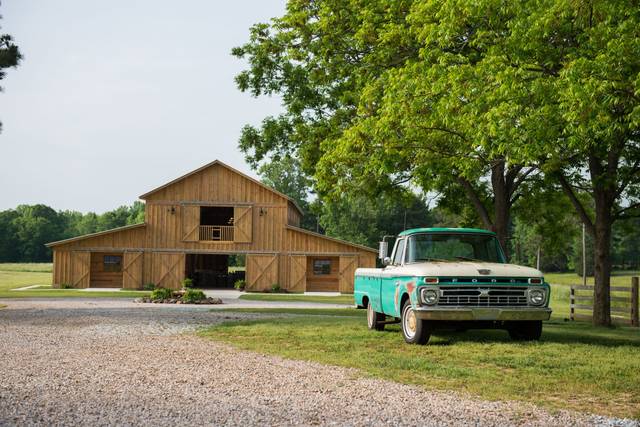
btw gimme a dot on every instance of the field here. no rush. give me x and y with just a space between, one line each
14 276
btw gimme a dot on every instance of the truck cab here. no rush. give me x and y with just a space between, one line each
451 278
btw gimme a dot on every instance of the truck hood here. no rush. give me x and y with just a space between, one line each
458 269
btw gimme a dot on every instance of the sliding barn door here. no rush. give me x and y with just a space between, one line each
262 272
243 224
190 223
168 270
80 268
348 265
297 273
132 270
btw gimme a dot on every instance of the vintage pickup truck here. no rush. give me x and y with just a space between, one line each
451 278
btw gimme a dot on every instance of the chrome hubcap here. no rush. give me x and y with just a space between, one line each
409 322
369 315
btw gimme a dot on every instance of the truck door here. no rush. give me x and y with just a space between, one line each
390 280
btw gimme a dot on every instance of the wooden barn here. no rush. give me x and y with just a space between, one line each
193 227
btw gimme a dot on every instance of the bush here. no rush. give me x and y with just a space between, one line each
240 285
160 294
149 286
187 283
193 295
276 288
66 286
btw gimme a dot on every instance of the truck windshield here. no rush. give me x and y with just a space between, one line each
453 247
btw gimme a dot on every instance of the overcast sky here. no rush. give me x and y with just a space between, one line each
114 98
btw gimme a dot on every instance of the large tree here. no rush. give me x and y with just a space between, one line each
588 53
9 55
382 93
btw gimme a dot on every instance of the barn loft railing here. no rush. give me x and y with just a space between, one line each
223 233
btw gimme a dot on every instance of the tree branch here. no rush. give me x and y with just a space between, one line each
481 209
577 204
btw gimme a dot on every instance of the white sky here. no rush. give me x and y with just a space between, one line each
114 98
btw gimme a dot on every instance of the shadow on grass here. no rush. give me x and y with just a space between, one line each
553 332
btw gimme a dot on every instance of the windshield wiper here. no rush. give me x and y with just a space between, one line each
432 259
466 258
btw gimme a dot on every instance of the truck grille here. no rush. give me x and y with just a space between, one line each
485 296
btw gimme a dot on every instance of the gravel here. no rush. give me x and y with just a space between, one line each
105 362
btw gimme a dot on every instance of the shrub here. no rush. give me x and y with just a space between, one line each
240 284
161 294
149 286
187 283
276 288
66 286
193 295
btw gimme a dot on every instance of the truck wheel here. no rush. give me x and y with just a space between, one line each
374 319
414 330
528 330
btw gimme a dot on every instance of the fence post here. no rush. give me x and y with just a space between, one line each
571 302
634 302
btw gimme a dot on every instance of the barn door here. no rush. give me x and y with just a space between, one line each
132 270
262 272
190 223
243 224
80 268
168 270
297 273
348 265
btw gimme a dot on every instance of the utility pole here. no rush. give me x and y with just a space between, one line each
584 256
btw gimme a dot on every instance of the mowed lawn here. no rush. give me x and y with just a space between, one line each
575 365
14 276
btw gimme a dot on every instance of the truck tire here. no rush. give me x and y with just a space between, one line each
414 330
374 319
526 330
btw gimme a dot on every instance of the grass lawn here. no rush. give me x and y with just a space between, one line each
341 299
575 366
20 275
618 278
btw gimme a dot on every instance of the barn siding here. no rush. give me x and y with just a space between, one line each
161 240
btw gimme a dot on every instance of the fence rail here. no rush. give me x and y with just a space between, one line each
581 298
223 233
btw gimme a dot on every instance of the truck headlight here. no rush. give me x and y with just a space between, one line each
536 296
429 296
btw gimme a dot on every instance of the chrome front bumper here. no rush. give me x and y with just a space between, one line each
483 313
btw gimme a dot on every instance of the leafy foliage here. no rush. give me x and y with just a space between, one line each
191 296
10 56
159 294
25 230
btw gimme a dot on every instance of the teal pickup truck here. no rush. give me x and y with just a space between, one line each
451 278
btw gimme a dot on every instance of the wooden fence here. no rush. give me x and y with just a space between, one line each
624 311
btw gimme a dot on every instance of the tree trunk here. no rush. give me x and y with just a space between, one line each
501 205
602 258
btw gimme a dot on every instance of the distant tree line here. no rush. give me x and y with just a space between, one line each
25 229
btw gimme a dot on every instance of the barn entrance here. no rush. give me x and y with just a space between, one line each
106 270
214 271
322 274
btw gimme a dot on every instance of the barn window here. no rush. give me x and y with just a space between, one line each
321 267
112 263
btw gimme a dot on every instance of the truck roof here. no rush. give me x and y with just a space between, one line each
445 230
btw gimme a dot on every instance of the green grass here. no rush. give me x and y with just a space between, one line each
575 366
618 278
349 312
41 267
20 275
341 299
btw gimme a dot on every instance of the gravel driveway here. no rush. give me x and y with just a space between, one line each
106 362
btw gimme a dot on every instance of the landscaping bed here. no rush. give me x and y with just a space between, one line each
183 296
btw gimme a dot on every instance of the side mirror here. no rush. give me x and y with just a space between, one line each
383 250
386 261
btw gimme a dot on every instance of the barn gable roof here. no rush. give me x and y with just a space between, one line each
99 233
224 165
332 239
